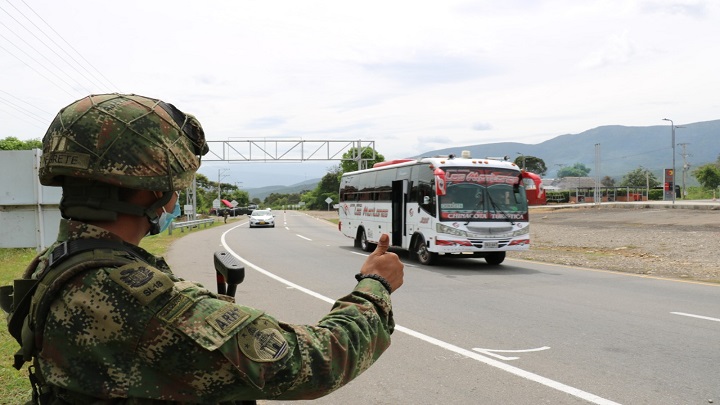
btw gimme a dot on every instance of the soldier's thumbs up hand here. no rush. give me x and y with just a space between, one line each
385 264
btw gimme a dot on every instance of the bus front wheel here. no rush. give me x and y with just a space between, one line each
424 256
495 258
364 244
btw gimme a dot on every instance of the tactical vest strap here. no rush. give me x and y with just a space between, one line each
71 247
32 297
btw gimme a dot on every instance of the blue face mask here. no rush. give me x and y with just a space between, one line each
166 218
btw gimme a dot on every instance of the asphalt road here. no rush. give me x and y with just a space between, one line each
519 333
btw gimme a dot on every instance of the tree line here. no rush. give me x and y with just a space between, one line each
707 175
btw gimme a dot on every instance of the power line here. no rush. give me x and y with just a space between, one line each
22 110
46 45
112 86
23 119
43 64
25 102
35 60
37 71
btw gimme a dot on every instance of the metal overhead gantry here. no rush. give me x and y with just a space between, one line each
268 150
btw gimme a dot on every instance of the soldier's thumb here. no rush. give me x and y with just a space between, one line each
382 245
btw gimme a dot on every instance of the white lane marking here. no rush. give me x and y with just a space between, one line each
707 318
447 346
300 236
493 352
510 369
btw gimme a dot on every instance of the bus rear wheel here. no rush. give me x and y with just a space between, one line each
495 258
364 244
424 256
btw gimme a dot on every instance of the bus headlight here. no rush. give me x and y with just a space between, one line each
449 230
522 231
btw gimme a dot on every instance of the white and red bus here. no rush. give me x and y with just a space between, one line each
447 205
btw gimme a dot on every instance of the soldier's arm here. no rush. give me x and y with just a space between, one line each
340 347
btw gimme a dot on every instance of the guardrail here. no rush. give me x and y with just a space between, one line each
190 224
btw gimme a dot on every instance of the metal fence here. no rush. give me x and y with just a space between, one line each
29 212
190 224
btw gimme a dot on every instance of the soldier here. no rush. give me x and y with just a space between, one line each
107 321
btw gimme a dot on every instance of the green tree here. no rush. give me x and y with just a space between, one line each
241 196
350 164
12 143
329 186
278 201
640 178
310 199
275 200
608 181
576 170
532 164
206 193
708 176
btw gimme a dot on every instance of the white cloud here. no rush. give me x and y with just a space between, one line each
410 75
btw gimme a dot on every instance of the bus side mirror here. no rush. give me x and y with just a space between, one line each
426 200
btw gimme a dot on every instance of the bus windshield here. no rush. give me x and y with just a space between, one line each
483 194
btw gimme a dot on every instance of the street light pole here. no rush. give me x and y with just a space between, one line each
672 127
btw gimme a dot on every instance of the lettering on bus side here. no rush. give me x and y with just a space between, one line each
483 215
375 212
475 177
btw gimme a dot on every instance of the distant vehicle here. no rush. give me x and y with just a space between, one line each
451 206
260 218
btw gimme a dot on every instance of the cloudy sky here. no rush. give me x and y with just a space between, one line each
412 76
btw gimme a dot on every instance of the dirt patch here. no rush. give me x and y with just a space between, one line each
676 243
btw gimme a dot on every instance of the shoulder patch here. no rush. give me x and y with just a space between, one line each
143 282
226 318
175 307
262 341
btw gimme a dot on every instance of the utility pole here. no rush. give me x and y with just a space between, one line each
597 198
672 134
686 167
221 176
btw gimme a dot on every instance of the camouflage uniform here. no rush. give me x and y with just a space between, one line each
106 338
131 329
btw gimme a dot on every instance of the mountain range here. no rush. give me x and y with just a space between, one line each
620 150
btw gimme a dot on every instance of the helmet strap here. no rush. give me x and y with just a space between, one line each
151 212
89 200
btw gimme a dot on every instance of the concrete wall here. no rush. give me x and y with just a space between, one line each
29 213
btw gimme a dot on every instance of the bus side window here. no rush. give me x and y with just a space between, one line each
414 190
426 190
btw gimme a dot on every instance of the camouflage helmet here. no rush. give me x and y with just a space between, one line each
125 140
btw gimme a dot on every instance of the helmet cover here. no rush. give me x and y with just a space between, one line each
125 140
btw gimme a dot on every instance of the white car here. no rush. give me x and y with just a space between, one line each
262 218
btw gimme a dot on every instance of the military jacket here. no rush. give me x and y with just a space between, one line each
138 331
